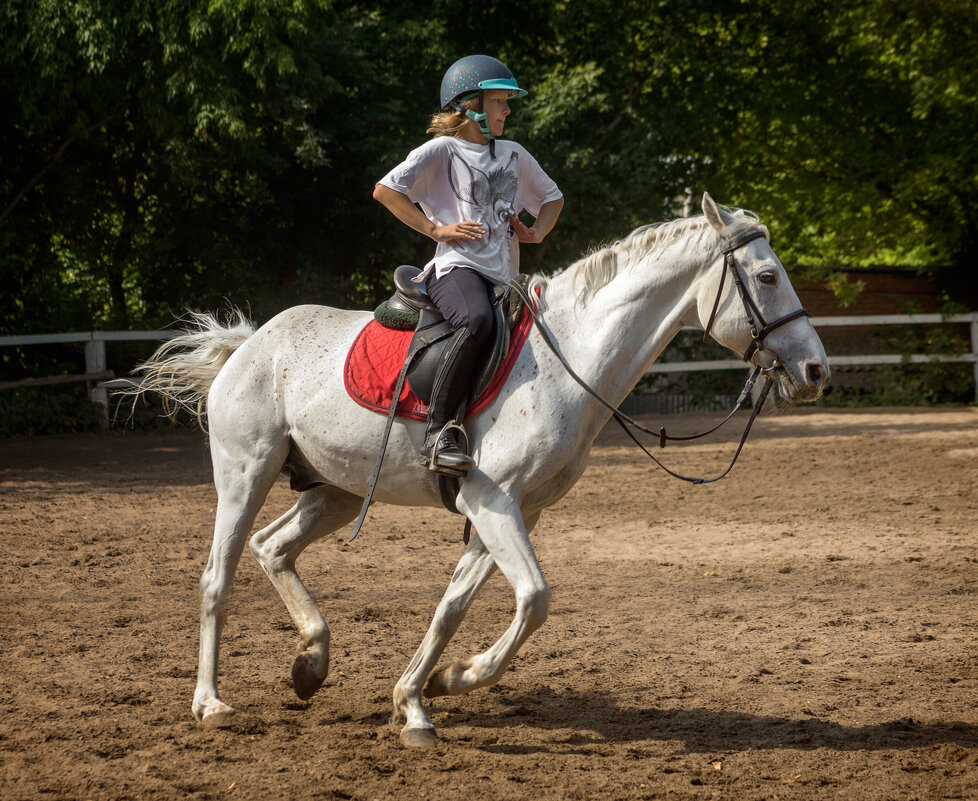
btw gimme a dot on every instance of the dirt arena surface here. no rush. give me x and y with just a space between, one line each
805 629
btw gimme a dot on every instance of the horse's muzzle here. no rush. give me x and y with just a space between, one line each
804 385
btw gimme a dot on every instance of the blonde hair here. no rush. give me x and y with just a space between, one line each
450 123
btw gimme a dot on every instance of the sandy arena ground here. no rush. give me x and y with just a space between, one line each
805 629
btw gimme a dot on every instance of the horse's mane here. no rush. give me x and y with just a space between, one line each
599 266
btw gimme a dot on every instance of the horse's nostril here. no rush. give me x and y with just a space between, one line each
815 374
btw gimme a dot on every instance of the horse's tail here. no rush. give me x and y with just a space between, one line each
183 368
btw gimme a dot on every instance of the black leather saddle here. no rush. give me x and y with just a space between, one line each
433 330
431 334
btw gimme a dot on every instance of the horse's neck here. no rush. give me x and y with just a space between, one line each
613 339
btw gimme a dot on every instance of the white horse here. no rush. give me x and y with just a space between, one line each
275 400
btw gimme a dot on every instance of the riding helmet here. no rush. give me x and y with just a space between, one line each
473 74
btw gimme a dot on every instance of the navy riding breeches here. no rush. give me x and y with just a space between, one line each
465 299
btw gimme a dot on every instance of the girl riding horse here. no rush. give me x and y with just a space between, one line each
470 185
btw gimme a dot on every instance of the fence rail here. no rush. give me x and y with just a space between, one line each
99 376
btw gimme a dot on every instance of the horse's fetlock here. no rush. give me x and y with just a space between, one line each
400 700
316 641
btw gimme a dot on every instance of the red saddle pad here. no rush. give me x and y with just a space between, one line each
377 356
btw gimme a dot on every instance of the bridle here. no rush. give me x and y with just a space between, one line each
753 313
758 334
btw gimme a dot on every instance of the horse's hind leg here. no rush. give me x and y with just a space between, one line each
318 512
243 482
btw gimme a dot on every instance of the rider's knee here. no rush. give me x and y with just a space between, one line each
479 325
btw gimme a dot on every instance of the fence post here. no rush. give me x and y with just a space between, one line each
95 362
974 349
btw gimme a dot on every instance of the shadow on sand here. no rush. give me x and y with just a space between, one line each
598 718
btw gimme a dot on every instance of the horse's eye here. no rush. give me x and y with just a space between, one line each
768 277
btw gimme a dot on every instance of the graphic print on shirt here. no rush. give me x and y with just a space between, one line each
490 194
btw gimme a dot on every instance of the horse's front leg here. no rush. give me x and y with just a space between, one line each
502 542
514 556
474 568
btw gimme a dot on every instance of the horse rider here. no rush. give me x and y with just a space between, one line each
469 186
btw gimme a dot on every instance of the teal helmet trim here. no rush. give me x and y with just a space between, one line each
480 118
509 84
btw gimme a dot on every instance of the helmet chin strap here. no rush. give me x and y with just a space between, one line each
481 119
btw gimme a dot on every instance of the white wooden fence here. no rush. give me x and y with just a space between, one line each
96 374
970 319
100 378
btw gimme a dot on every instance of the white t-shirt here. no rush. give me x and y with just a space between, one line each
454 180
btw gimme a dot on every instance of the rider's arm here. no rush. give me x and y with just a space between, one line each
400 206
542 225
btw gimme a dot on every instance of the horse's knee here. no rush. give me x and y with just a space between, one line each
536 606
256 548
213 595
449 617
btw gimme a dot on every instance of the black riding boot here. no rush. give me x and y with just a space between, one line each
443 451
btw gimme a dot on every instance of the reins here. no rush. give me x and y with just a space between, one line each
757 339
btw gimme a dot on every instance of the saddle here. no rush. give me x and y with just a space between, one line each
410 307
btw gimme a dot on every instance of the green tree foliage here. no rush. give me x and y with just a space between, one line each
165 154
848 125
160 155
860 142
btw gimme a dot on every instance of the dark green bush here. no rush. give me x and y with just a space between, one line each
47 410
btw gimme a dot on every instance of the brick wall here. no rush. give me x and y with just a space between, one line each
888 291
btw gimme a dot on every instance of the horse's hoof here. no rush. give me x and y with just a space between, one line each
219 718
305 679
419 738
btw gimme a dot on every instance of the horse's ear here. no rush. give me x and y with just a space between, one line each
716 216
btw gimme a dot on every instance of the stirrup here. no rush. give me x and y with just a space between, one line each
431 455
